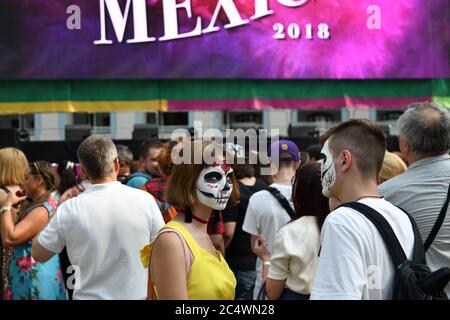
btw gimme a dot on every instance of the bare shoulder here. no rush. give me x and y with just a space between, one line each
38 213
167 251
168 243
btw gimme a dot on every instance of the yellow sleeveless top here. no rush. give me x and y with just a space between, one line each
209 277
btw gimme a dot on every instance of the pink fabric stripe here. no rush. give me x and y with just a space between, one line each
300 104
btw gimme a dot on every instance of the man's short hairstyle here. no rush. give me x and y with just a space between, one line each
124 153
97 154
147 145
427 129
182 190
365 141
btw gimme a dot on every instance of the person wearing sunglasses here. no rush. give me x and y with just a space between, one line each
28 279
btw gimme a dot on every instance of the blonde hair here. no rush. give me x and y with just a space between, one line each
393 166
13 164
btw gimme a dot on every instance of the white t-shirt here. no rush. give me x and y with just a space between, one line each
354 263
104 229
265 216
295 253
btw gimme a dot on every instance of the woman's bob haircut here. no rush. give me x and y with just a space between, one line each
181 192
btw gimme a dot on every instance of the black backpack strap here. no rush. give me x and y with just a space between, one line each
419 251
283 201
393 245
438 223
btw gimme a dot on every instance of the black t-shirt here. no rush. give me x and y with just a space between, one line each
239 254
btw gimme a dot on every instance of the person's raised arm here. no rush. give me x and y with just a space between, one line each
274 288
26 229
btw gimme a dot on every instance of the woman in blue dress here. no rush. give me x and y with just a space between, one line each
28 279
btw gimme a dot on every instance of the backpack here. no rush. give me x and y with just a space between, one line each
167 211
413 280
282 200
137 174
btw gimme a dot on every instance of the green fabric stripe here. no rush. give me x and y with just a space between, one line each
441 87
113 90
264 89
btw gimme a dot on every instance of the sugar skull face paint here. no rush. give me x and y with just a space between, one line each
214 185
327 170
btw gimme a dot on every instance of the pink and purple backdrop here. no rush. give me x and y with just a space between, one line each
413 42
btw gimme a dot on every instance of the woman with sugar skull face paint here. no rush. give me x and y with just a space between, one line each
214 185
183 261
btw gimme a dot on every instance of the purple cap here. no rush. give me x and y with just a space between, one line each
287 150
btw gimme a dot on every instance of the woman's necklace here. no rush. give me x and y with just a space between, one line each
199 219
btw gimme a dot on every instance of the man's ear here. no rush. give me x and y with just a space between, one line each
142 162
116 165
297 164
345 160
404 145
83 172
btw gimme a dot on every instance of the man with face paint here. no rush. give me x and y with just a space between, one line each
354 263
327 171
265 215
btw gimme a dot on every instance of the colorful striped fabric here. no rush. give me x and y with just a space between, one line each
176 95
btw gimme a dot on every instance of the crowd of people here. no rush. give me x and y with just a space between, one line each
217 229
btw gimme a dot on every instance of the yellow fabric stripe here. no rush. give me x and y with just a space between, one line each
82 106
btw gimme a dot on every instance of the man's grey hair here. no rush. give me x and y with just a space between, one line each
124 153
97 154
426 127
